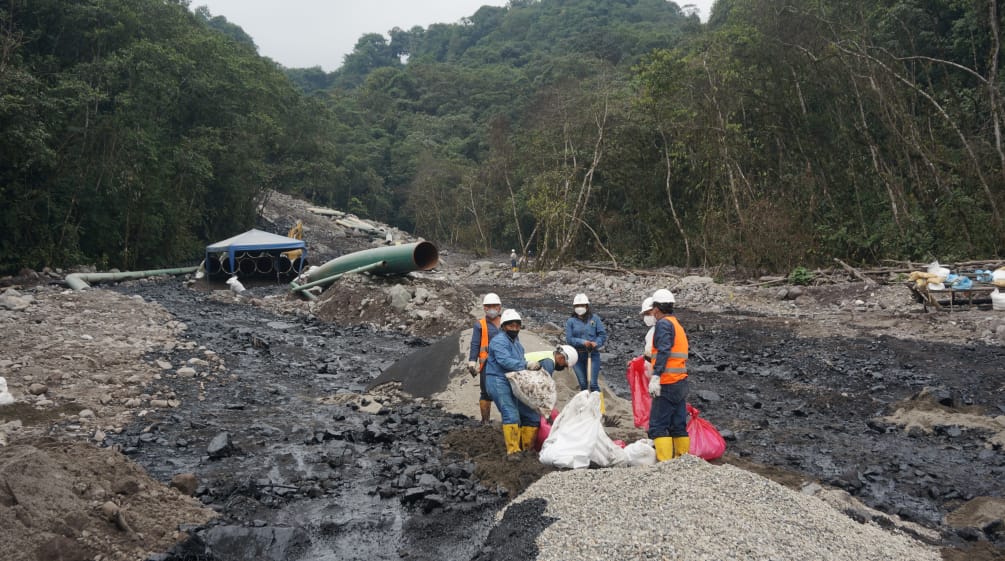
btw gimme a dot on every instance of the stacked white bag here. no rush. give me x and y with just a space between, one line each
578 438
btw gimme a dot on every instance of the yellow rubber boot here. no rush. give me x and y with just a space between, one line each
486 409
681 445
527 437
511 434
664 448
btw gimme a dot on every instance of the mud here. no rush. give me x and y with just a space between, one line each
805 408
300 460
794 407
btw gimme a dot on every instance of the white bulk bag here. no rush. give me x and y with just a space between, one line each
577 436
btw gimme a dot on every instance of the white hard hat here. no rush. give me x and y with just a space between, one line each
663 296
647 305
491 299
580 299
571 356
508 315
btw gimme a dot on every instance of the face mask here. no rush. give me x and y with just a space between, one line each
512 334
492 314
649 321
580 310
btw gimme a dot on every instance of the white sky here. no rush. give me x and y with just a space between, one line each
306 33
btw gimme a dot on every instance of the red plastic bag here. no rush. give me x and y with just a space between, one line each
638 384
706 442
543 430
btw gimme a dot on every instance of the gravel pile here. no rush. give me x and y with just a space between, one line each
685 509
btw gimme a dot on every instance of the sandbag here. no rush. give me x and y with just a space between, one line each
638 384
641 453
577 437
706 442
535 388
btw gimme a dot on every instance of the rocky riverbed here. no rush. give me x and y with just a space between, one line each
260 434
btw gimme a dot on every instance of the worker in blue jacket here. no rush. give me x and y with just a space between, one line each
585 332
506 354
478 352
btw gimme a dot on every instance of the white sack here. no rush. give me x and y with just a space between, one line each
5 397
577 436
641 453
535 388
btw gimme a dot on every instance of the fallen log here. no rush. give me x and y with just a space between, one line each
854 272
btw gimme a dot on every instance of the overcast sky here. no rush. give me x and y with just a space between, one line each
306 33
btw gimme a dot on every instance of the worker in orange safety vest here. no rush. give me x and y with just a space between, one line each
484 330
668 384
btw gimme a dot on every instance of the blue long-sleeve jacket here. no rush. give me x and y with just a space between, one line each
580 330
476 338
505 355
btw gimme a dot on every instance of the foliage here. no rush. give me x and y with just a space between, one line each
801 276
777 135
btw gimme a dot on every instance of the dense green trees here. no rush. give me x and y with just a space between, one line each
778 134
136 130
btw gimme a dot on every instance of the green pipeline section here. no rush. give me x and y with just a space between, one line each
392 260
79 281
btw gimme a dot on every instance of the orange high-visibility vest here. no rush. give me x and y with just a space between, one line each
675 368
483 350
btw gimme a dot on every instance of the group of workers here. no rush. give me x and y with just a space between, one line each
496 349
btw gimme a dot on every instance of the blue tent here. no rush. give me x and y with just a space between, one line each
259 244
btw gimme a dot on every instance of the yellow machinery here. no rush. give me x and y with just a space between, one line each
296 232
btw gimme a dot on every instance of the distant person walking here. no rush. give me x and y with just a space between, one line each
513 259
484 330
585 332
668 384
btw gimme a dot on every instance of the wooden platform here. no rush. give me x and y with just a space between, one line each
952 298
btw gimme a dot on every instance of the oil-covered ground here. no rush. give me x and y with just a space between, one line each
299 467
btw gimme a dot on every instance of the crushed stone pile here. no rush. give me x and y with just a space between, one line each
684 509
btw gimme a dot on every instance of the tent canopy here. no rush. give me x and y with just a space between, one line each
255 240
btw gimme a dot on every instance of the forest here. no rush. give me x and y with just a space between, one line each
776 135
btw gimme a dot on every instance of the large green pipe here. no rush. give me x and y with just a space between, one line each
398 259
78 281
294 287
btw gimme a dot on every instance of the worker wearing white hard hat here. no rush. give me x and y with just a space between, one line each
478 352
650 321
585 331
668 384
562 357
513 259
506 354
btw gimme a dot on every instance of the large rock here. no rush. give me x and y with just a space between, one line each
400 297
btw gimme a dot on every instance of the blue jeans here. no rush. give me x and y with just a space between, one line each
668 416
580 368
513 411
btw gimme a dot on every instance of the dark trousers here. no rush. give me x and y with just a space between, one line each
481 385
668 416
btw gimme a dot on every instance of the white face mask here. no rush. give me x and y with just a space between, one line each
649 320
580 310
492 314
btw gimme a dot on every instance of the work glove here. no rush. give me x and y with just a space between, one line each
654 386
533 365
473 368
